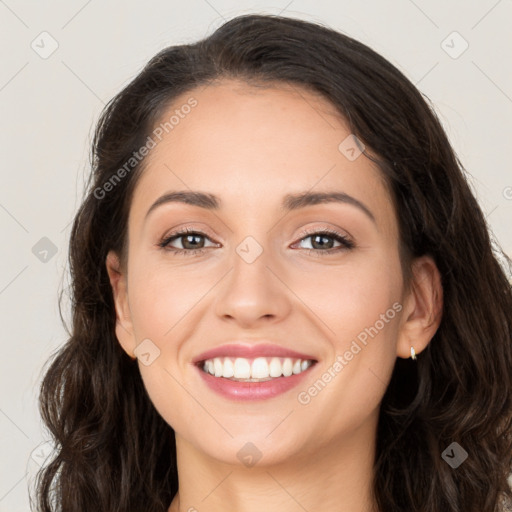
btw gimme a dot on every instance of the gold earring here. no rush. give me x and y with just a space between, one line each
413 353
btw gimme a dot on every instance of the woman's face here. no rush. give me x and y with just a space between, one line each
255 273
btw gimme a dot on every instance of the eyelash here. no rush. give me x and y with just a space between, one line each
346 243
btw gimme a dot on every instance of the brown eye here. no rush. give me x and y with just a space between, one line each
322 242
191 242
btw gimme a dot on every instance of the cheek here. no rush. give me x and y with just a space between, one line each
161 297
360 310
162 307
358 306
346 299
362 306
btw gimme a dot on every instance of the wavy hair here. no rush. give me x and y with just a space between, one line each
114 452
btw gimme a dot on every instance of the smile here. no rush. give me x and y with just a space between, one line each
260 369
242 379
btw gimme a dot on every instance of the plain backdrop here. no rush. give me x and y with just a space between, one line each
62 61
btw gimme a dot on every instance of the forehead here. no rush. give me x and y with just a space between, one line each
251 145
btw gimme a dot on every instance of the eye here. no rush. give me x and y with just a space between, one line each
320 244
190 242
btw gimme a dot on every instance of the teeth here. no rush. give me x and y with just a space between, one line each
217 365
276 368
242 368
229 369
258 369
287 367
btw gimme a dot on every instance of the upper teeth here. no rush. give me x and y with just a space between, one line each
258 368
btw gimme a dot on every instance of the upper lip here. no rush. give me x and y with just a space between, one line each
251 351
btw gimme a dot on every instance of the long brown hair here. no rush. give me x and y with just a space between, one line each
115 452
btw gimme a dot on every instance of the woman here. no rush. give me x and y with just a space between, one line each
285 294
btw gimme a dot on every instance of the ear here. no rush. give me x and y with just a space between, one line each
124 328
423 306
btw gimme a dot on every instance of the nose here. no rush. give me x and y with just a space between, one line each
254 293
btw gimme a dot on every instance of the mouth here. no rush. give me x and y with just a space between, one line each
242 371
259 369
243 379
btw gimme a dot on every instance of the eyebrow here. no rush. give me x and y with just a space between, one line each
290 201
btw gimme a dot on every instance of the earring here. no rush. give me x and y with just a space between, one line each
413 353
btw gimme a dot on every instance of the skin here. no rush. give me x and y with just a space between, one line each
250 146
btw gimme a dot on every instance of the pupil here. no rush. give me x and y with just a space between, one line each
320 237
187 238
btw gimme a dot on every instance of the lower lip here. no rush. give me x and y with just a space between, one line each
236 390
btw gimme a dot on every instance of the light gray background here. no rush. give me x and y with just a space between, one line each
49 107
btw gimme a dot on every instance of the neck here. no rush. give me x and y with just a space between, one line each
337 477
